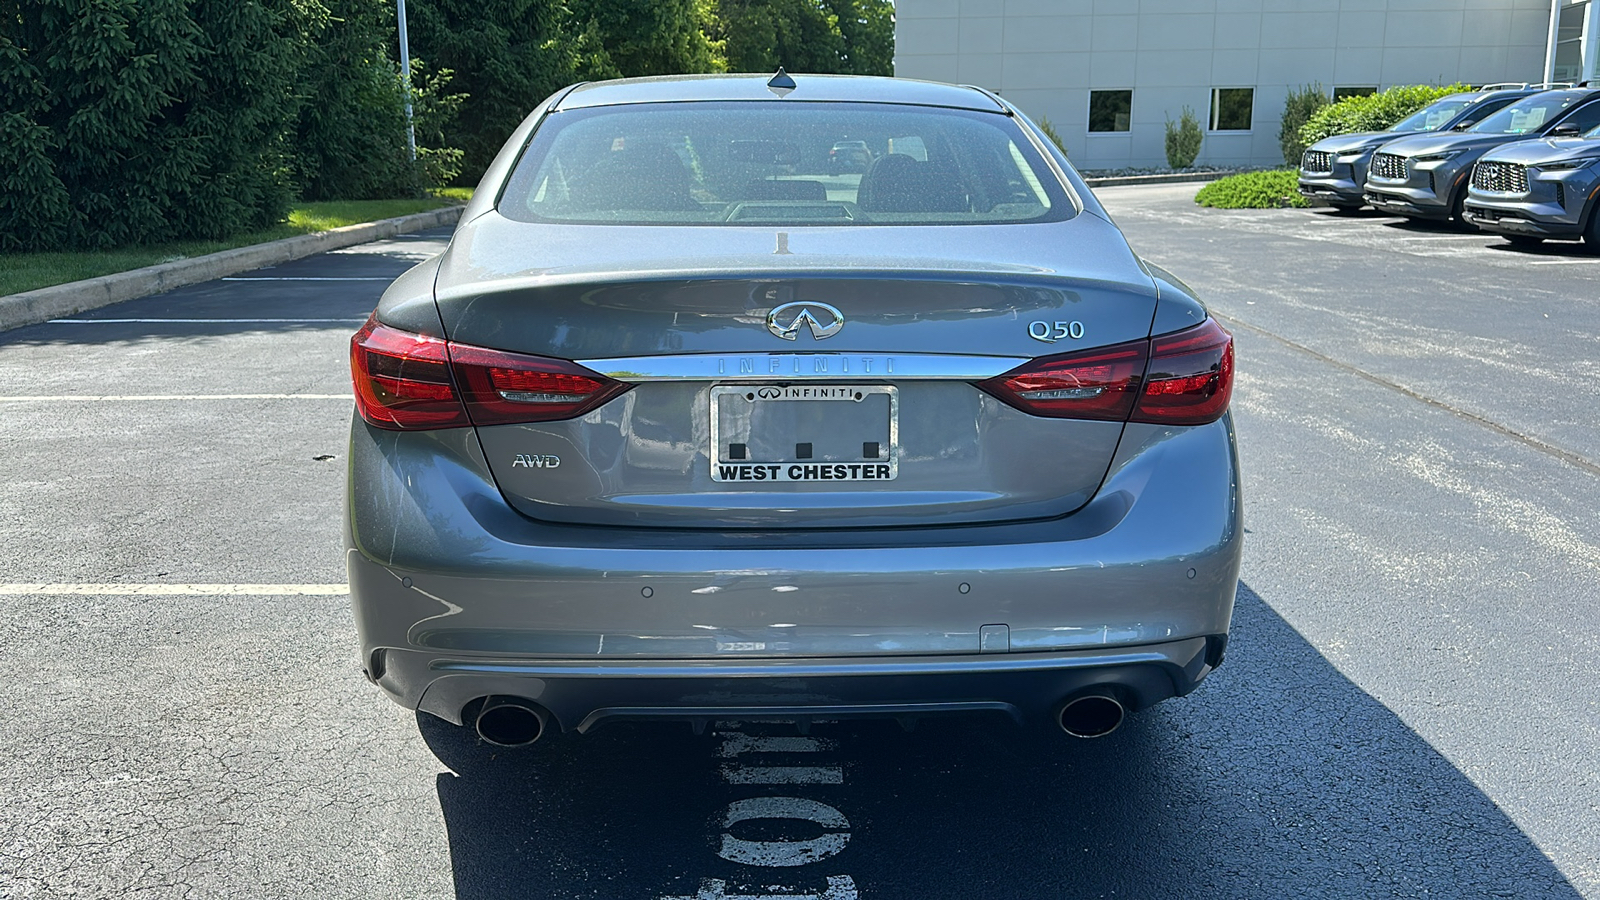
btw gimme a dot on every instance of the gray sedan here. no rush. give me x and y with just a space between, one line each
686 424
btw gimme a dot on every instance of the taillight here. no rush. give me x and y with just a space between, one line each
408 382
1097 384
505 388
402 380
1184 378
1190 380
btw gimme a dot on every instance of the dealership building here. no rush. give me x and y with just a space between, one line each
1108 74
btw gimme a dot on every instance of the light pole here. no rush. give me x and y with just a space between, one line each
405 77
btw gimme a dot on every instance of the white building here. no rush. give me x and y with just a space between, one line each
1109 73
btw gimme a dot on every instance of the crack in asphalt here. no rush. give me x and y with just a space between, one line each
1545 447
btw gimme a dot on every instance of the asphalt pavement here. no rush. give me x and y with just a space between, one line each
1407 710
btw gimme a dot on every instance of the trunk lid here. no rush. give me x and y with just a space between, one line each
865 413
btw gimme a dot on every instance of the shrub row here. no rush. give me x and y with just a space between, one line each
1373 112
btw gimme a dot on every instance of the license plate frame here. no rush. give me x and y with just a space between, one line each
803 471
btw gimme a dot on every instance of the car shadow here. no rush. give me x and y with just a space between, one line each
1546 248
1278 778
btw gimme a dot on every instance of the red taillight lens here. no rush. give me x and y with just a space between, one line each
504 388
408 382
1191 377
1098 384
402 380
1184 378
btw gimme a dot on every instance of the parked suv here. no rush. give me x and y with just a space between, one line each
1425 176
1532 190
1333 171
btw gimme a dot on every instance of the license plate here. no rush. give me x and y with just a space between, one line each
804 433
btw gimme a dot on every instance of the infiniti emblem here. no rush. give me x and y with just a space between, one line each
824 320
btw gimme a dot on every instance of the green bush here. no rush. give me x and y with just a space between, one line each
1253 190
1301 104
1373 112
1183 140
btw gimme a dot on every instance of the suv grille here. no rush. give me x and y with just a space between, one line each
1506 178
1317 161
1388 165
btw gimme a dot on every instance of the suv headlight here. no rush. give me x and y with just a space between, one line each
1565 164
1438 157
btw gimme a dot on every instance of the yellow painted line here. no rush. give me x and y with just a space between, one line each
116 589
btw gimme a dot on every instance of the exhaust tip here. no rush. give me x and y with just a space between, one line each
509 722
1092 716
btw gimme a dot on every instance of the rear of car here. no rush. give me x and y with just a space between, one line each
1333 171
1425 176
1532 190
687 423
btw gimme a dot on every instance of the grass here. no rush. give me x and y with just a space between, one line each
27 271
1253 190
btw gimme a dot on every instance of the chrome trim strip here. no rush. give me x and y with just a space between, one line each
802 366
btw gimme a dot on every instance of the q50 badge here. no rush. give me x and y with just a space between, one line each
1050 332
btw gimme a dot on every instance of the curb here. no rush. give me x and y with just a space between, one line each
46 303
1175 178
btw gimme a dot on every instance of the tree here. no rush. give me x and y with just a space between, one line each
1183 139
507 55
653 37
1301 105
350 138
138 121
851 37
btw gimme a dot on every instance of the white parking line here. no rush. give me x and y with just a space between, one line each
735 743
783 774
205 321
784 853
138 398
114 589
1564 262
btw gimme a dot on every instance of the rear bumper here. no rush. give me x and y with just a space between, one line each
456 596
582 695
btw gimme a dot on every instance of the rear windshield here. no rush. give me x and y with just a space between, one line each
1528 115
789 163
1434 116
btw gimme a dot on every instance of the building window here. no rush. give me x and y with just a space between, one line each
1569 44
1110 110
1339 93
1230 108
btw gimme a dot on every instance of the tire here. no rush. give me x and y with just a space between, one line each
1591 235
1526 241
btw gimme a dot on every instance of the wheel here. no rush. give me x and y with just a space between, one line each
1523 240
1591 235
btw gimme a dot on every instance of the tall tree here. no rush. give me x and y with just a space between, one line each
653 37
845 37
507 55
137 121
